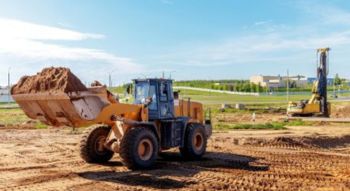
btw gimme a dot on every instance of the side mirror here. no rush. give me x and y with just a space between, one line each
176 94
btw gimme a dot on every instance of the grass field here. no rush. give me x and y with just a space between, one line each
212 98
15 117
219 98
274 126
12 116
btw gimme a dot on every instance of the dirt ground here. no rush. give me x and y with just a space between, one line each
300 158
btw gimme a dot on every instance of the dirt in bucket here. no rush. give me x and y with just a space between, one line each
51 79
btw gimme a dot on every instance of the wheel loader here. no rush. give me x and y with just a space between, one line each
155 122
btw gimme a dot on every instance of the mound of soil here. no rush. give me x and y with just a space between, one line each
341 112
49 80
277 141
291 141
302 142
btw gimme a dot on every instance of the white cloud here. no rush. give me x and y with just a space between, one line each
262 22
325 13
31 42
45 51
16 29
272 47
266 46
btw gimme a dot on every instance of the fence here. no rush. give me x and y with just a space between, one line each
4 96
217 91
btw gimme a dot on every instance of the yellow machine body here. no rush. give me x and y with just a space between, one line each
308 109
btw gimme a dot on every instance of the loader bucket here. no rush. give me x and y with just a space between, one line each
73 109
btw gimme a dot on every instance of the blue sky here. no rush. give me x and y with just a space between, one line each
189 39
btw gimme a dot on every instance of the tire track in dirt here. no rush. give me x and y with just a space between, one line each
51 162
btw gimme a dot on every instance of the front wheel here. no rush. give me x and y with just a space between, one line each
195 142
139 148
92 148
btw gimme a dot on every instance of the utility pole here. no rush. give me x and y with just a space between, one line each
334 94
8 85
109 80
110 72
287 86
171 73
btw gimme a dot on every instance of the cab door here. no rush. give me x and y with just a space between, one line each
166 100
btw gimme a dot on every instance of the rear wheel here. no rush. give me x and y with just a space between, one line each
92 148
195 142
139 148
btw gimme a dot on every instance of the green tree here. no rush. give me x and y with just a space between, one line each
253 87
337 80
246 87
257 88
230 87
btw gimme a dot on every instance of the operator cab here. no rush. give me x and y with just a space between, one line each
158 95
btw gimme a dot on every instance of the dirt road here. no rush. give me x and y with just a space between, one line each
241 160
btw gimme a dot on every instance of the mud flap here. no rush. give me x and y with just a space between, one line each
208 128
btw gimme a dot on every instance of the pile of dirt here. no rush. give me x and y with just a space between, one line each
49 80
277 141
341 111
328 142
290 141
325 142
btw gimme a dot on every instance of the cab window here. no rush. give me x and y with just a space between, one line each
153 95
141 92
164 91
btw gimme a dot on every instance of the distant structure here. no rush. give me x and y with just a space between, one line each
279 81
4 97
4 90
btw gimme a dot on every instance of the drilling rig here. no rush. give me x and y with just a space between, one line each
318 104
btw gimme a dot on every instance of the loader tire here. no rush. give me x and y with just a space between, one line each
139 148
92 149
195 143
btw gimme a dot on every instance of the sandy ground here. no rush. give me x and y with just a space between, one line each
300 158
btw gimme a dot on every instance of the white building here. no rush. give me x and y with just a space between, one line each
278 81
